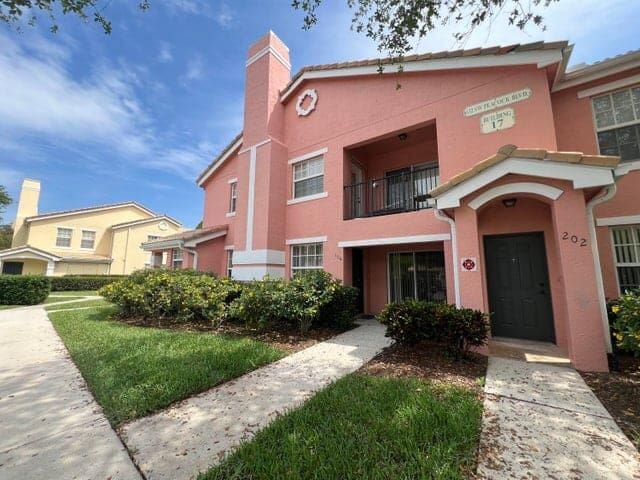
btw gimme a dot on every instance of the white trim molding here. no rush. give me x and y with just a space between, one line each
265 51
315 196
32 253
541 189
371 242
229 247
232 149
205 238
440 215
255 272
308 156
625 167
230 214
312 93
232 180
298 241
582 176
259 144
258 257
607 87
540 58
613 221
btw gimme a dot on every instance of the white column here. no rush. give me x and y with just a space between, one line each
50 266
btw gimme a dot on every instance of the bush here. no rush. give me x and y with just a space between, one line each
311 298
82 282
626 322
179 295
24 289
415 321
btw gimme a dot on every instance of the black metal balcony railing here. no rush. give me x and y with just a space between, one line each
402 192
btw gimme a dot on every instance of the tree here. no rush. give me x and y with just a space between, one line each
395 24
5 199
14 11
6 234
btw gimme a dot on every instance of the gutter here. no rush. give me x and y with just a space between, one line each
440 215
609 192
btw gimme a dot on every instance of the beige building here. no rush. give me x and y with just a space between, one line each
98 240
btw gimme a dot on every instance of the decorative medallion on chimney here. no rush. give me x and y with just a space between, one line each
309 96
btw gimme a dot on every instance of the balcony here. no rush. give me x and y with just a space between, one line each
399 191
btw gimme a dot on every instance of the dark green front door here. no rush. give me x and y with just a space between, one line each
518 282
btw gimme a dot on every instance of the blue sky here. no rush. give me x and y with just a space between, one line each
135 115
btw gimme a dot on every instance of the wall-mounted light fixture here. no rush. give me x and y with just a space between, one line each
509 202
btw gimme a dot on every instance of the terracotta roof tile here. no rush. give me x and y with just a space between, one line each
511 151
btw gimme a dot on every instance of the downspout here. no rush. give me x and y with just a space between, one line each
609 192
440 215
195 256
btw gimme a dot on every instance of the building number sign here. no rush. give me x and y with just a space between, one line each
581 241
496 121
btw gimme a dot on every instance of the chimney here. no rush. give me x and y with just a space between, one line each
262 179
27 207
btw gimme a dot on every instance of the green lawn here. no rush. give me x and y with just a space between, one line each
65 298
74 293
133 371
82 304
366 427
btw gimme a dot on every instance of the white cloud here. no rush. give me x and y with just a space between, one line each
165 55
194 71
225 15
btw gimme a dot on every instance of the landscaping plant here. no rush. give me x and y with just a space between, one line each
24 289
178 295
82 282
626 321
414 321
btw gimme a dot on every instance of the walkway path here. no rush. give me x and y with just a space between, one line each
181 441
543 421
51 426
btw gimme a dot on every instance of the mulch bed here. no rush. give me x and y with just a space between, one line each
619 392
430 362
281 337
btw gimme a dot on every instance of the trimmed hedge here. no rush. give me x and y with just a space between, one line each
310 299
82 282
415 321
24 289
624 318
178 295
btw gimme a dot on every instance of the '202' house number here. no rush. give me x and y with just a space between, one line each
574 239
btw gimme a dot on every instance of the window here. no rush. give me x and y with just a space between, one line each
233 196
418 275
153 258
308 177
307 256
88 239
617 118
229 263
626 244
177 259
63 237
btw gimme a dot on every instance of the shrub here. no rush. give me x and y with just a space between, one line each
626 324
179 295
82 282
311 298
24 289
414 321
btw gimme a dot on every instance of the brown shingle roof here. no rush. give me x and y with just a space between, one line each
511 151
496 50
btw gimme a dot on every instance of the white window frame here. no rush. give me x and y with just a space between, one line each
93 245
58 236
635 235
230 263
233 197
177 258
151 262
295 180
615 126
296 246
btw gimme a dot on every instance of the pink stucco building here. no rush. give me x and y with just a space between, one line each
494 179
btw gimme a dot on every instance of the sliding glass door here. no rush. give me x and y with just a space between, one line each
418 275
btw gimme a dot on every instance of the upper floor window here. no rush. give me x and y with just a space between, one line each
177 258
308 177
233 196
306 256
617 118
626 243
88 239
63 237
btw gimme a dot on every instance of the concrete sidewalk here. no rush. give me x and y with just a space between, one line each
51 426
543 421
188 438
